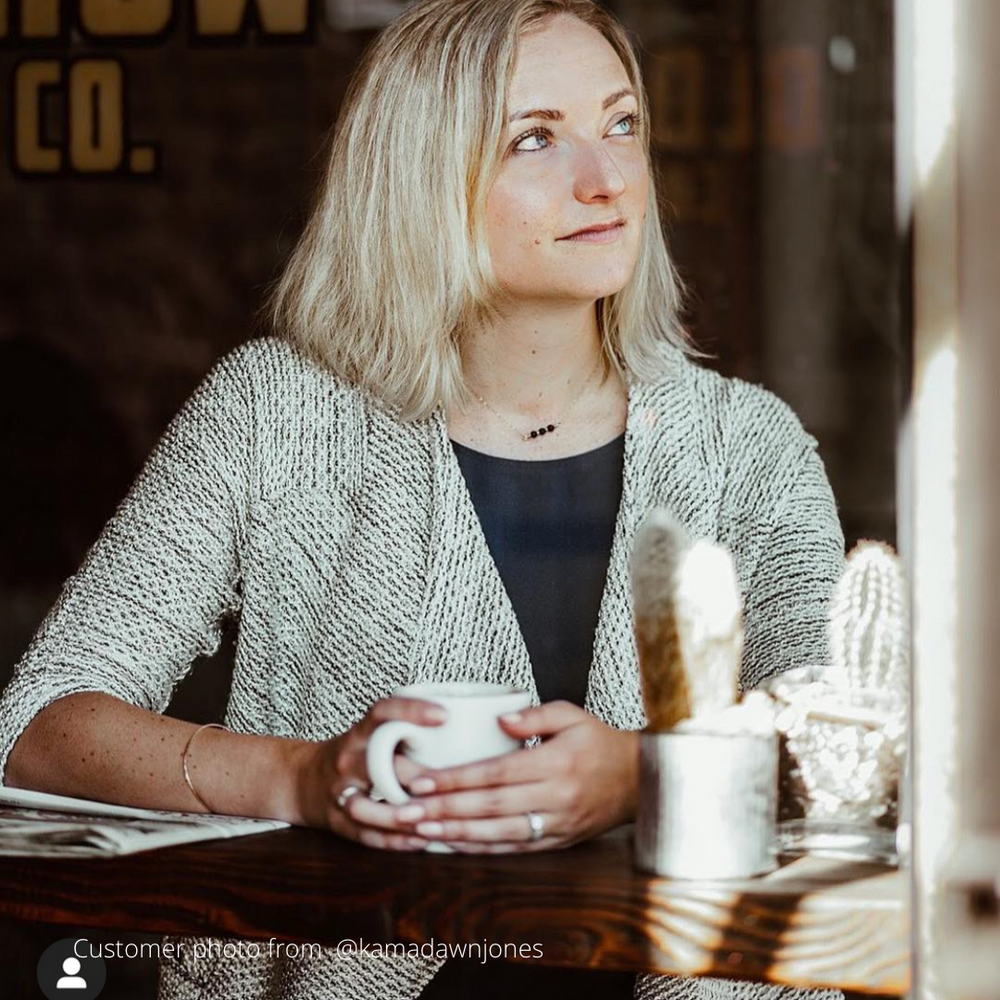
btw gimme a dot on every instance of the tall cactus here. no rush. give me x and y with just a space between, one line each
869 623
688 622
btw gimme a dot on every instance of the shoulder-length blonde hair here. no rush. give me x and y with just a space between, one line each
392 267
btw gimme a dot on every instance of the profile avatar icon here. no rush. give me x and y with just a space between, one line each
64 970
71 981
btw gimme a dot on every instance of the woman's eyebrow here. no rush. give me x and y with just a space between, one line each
550 114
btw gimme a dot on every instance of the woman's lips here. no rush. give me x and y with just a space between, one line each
597 235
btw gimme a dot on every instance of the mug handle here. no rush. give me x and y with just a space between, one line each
379 755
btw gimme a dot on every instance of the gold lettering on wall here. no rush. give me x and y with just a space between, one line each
736 136
716 183
96 116
680 188
697 103
91 134
124 17
677 78
225 17
39 19
29 153
793 98
699 191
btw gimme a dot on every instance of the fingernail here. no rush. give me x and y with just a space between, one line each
430 829
437 714
410 813
512 717
421 786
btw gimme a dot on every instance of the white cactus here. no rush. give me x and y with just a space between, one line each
869 623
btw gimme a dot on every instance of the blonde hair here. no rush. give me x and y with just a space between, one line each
392 267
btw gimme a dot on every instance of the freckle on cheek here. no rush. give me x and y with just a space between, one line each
537 242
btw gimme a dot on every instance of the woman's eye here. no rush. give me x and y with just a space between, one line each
631 120
540 134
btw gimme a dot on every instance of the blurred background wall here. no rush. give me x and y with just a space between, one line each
773 128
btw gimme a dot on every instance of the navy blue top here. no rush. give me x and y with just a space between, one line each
549 526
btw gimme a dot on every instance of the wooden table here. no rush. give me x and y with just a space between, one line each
811 923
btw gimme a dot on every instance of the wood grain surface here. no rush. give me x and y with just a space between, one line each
811 923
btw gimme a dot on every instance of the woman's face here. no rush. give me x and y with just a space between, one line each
572 162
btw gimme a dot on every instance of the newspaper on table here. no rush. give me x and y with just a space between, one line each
43 825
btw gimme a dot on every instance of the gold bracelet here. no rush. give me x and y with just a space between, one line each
184 763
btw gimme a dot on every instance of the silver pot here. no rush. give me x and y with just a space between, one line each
707 804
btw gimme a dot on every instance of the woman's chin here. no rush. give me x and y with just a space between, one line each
598 284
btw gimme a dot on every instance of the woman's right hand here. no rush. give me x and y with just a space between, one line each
324 770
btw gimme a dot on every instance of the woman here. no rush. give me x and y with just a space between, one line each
485 261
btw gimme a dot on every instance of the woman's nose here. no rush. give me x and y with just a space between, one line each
596 174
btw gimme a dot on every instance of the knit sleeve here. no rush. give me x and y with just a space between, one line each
779 518
799 563
150 594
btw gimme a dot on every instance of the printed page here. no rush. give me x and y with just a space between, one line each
40 824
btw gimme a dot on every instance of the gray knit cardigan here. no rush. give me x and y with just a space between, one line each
348 546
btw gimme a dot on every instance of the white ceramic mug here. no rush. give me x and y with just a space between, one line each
471 732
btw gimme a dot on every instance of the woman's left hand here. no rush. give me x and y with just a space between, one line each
580 781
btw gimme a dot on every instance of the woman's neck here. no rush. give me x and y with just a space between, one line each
531 366
540 372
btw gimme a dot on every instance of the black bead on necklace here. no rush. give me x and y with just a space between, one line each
539 432
546 428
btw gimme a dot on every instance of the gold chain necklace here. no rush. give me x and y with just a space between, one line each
547 428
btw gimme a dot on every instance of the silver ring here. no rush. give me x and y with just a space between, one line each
536 825
346 795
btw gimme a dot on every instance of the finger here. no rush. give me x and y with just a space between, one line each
357 769
499 800
342 821
406 769
384 841
415 710
365 811
510 829
543 720
348 788
354 768
516 767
